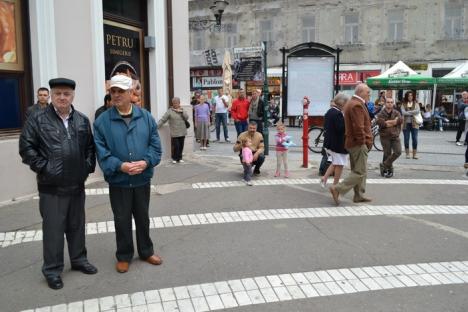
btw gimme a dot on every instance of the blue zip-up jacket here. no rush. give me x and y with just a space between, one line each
117 143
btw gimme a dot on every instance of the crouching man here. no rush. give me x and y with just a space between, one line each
257 146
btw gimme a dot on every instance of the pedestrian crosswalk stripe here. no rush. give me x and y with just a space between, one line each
275 288
268 182
18 237
205 185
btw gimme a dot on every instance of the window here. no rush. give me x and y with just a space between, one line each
308 29
395 25
453 21
266 31
351 22
198 40
231 36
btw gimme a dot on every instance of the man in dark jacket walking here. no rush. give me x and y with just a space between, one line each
57 144
128 147
389 121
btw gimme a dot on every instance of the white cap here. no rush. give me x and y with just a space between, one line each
121 81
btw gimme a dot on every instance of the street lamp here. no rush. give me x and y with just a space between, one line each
217 9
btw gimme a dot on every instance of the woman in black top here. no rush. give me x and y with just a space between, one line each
334 127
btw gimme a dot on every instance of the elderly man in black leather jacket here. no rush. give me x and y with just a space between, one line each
58 146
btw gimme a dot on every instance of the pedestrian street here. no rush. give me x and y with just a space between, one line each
279 245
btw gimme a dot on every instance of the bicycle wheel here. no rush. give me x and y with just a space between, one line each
316 139
377 144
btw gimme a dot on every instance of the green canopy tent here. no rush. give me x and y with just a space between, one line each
456 79
400 76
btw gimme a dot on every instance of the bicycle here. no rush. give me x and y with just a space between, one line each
376 135
316 138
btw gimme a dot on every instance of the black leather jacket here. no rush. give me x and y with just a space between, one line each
62 158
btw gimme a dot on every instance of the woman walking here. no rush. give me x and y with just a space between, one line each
202 121
409 109
177 119
334 140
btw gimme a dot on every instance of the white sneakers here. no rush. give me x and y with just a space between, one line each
458 143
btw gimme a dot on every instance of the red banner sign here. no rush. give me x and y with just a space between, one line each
351 78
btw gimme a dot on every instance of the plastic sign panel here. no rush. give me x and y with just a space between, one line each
312 77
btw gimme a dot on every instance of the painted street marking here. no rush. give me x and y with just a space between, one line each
274 288
18 237
205 185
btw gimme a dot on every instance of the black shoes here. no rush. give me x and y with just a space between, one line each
384 172
86 268
388 173
55 282
256 171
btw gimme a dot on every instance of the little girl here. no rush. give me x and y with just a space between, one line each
281 150
247 158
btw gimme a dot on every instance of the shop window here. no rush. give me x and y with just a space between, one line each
453 21
395 25
133 10
14 68
351 22
308 29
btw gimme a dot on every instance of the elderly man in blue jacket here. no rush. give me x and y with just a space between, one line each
128 147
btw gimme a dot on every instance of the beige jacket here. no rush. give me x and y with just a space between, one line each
257 142
176 122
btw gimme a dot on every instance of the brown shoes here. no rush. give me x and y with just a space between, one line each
335 194
362 200
154 260
122 266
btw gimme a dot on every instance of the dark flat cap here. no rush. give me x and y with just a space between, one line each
62 82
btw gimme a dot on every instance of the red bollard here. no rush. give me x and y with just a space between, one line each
305 132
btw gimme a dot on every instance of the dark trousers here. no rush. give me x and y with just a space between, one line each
247 171
62 215
466 155
177 147
409 130
241 126
125 203
257 163
461 128
221 118
391 150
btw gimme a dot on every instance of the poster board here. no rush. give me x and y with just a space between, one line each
123 53
312 77
11 41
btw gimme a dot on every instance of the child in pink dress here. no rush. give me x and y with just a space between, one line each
281 148
247 158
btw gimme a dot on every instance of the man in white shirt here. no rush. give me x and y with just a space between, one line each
221 109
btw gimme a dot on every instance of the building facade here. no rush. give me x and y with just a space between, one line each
431 36
86 41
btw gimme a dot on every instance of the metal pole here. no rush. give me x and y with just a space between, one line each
305 132
265 99
283 85
337 77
